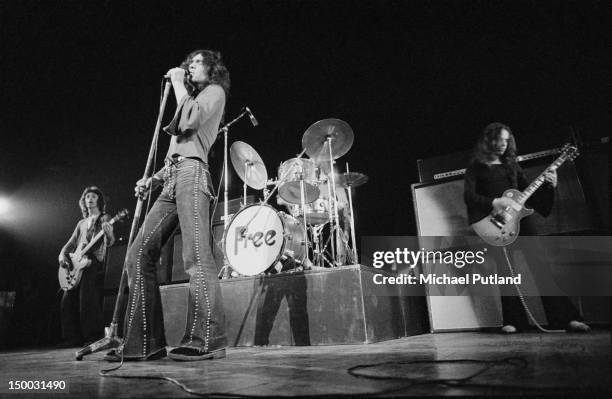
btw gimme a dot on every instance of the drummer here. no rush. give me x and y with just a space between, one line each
321 204
317 211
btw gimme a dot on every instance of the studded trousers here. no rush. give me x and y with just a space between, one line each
185 200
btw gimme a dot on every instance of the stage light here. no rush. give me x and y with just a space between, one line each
5 206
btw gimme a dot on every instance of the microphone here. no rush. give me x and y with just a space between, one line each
251 117
187 74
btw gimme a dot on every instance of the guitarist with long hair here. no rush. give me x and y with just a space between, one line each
81 307
492 170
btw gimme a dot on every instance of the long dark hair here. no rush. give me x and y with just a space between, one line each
485 146
101 203
217 72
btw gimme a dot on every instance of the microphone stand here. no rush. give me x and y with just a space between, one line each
111 340
225 130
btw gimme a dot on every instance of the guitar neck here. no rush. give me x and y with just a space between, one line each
96 238
538 181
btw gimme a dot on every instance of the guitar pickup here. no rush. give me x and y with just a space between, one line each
517 207
495 220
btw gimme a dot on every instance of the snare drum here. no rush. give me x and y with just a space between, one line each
289 175
258 237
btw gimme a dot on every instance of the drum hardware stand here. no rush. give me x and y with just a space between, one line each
225 130
331 217
318 249
111 339
306 259
335 261
334 201
247 169
338 136
353 237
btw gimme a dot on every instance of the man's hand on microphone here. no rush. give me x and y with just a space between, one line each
177 78
177 75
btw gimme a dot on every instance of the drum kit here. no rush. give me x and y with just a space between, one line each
311 234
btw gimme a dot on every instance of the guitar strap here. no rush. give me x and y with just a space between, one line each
91 232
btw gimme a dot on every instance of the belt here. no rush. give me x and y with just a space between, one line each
174 160
180 158
170 174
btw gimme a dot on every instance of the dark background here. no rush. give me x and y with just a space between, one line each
80 86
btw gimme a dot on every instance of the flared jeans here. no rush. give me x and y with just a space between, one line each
185 201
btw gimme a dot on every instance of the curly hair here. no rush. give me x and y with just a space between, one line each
101 203
217 72
485 146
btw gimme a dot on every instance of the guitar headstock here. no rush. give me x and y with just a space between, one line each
569 152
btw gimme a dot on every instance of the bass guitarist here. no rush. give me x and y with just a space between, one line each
493 170
81 307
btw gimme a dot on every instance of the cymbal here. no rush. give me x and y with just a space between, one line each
315 139
248 165
351 179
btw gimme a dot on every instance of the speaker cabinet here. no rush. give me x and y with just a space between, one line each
570 213
115 257
434 167
440 210
178 271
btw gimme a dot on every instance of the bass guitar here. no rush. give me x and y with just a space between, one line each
70 275
502 226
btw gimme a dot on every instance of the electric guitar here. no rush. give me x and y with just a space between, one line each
501 227
70 275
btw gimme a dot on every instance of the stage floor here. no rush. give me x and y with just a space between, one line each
542 364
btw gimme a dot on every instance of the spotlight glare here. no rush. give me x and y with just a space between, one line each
5 206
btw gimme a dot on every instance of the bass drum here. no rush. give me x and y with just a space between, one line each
258 237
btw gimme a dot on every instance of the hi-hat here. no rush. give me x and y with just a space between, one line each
351 179
315 140
248 165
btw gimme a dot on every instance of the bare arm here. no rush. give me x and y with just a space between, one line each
70 246
177 78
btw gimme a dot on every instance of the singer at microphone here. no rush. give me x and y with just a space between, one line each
184 202
186 77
